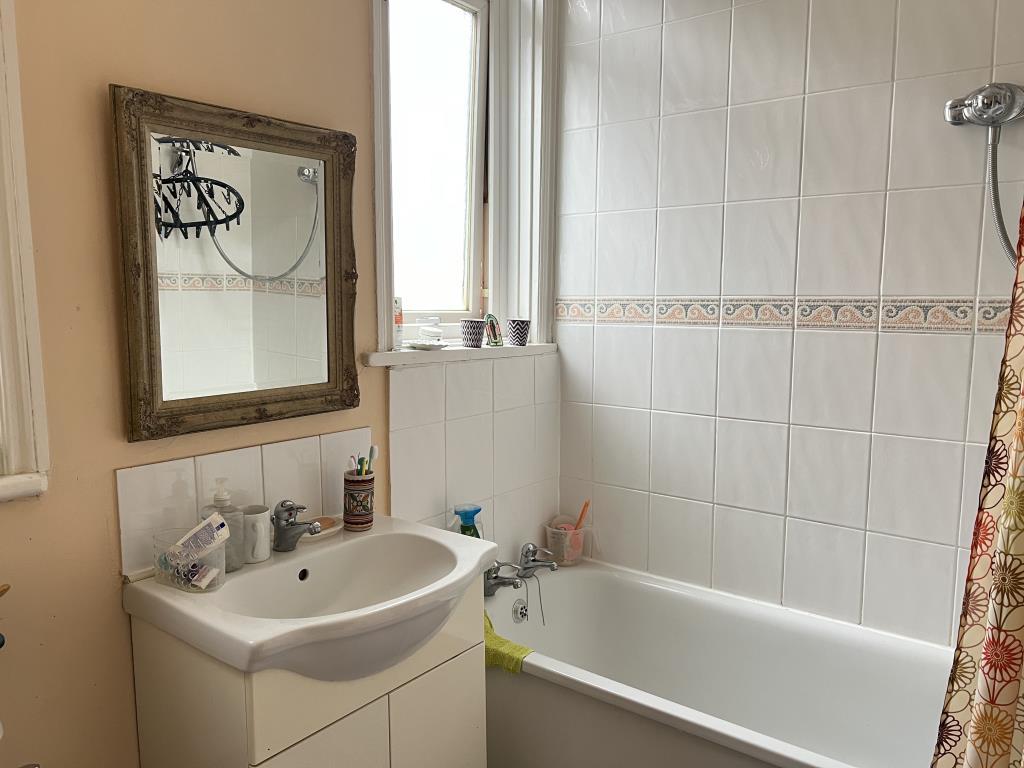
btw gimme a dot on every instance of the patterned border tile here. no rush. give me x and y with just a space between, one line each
571 310
926 314
848 312
200 281
757 311
624 310
687 310
993 315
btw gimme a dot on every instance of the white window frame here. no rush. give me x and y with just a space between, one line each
24 437
520 94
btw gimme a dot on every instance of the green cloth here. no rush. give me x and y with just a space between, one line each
500 652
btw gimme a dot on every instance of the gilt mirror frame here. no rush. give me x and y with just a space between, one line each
139 113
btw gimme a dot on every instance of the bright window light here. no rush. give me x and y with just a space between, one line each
433 71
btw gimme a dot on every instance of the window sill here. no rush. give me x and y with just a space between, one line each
452 355
22 486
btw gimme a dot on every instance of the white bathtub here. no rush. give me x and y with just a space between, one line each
633 670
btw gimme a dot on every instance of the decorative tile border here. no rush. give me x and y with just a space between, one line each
993 315
837 312
687 310
925 314
199 281
624 310
757 312
569 310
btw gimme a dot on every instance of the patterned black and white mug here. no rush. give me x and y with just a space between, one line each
518 330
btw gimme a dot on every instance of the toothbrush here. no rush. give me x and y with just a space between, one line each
583 514
351 463
374 453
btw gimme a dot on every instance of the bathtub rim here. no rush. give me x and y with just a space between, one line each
692 721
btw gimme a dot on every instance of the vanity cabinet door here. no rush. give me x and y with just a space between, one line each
438 719
357 741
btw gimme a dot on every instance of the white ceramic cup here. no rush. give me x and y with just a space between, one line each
257 533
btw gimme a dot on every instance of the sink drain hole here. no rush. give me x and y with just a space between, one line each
303 574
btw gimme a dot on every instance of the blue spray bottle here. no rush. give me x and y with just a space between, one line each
467 519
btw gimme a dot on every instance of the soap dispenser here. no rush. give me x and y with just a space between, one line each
467 519
234 548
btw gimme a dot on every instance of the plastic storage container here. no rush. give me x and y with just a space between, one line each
203 574
567 547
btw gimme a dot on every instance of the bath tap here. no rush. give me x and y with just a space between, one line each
529 563
493 580
287 528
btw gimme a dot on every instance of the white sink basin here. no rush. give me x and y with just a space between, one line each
341 608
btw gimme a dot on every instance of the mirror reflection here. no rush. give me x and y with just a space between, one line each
241 267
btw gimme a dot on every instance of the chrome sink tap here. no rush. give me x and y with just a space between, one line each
287 527
493 580
529 563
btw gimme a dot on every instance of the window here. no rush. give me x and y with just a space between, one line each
458 83
23 446
437 67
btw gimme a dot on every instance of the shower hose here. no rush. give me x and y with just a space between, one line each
992 183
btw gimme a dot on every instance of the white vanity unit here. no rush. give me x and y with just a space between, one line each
358 651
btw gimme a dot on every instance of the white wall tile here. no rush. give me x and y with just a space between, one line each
152 498
683 455
685 9
579 85
695 70
1011 144
685 369
335 450
936 36
1010 21
846 361
840 245
469 460
689 250
759 253
243 470
622 365
418 472
513 382
628 166
622 447
850 43
581 20
546 385
625 253
922 385
291 470
548 438
750 465
836 121
963 558
415 395
621 523
747 557
907 587
630 64
577 422
572 493
622 15
768 51
515 449
577 174
754 370
576 255
996 277
519 517
988 358
576 354
824 569
931 242
974 470
915 488
828 475
919 135
693 158
764 150
680 540
468 388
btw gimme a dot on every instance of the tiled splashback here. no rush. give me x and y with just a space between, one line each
170 494
481 431
781 309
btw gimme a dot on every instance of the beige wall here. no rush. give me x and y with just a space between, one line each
65 675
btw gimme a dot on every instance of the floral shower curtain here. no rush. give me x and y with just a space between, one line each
982 723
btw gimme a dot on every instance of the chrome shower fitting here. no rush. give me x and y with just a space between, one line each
992 107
